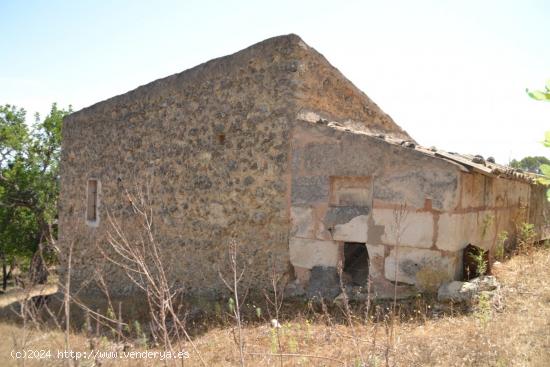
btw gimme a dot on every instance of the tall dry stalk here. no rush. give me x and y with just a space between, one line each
232 284
349 317
276 303
66 299
139 257
33 310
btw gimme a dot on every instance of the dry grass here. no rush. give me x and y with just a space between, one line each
518 335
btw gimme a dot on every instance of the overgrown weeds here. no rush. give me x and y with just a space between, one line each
315 335
291 332
526 238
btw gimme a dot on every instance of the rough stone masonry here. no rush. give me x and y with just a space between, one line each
274 147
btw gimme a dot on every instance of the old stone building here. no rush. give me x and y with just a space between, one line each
274 147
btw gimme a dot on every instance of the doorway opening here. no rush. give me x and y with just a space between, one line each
475 262
356 262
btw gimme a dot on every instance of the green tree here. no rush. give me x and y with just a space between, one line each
530 164
29 186
543 95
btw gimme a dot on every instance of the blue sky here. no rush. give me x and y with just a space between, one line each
452 73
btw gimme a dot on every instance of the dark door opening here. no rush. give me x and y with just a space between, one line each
356 262
475 262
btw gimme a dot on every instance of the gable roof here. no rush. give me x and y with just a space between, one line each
315 84
323 89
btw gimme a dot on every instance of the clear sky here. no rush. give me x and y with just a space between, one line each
451 73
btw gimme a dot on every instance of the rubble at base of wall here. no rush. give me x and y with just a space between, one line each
325 283
467 292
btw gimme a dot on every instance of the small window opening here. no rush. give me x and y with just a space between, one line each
221 139
91 207
475 262
356 262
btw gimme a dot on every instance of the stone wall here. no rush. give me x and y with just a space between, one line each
415 213
487 206
347 187
210 147
241 147
539 211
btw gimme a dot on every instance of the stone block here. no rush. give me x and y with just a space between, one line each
323 282
518 193
476 189
456 291
353 231
407 263
450 232
416 229
456 231
466 291
307 253
404 184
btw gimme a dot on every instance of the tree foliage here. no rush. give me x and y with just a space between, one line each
530 164
540 95
543 95
29 181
